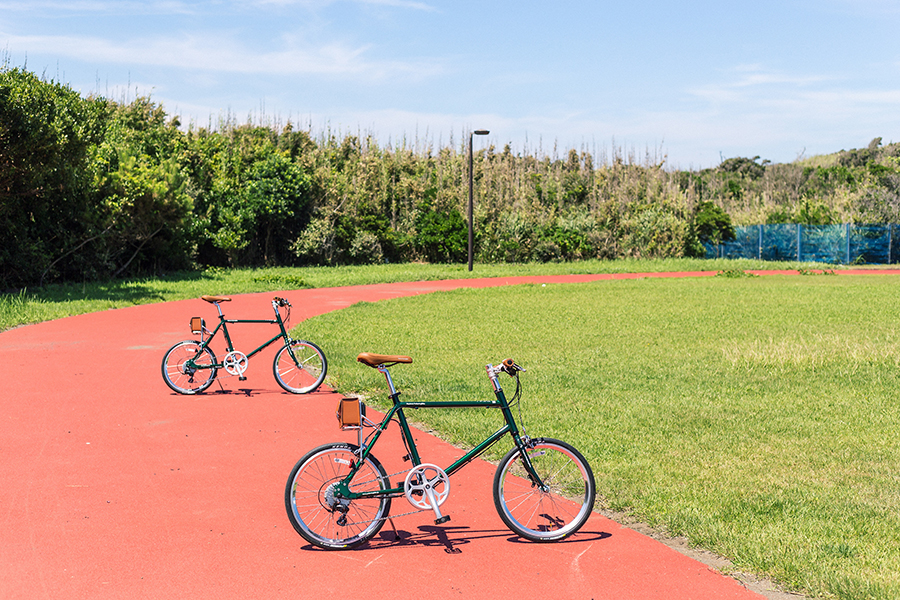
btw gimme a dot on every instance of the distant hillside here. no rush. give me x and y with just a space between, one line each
859 185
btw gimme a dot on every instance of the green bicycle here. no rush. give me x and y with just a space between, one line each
189 367
339 495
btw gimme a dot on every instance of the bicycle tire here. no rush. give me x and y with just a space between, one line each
545 515
182 379
300 367
317 515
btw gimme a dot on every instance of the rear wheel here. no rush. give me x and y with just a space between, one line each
318 511
300 367
554 510
188 368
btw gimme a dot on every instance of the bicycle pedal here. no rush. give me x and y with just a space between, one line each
442 520
242 379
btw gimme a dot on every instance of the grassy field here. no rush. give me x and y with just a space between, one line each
57 301
755 415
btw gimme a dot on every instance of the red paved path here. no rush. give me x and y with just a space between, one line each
114 487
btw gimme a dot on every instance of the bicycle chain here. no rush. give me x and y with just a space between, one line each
386 517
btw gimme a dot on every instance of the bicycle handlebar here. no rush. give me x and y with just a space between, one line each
508 366
280 301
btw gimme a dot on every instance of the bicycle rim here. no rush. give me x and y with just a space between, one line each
304 371
553 513
182 379
322 519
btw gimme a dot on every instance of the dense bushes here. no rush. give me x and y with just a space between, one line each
47 188
853 186
91 188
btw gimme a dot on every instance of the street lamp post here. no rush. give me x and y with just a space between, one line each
471 226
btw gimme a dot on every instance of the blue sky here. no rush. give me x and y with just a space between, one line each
696 81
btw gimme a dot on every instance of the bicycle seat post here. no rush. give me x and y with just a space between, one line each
387 375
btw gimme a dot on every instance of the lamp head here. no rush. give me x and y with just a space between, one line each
481 132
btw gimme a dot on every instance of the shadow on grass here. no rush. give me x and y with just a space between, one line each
128 291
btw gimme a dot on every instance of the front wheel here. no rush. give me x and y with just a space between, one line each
189 368
556 508
300 367
318 511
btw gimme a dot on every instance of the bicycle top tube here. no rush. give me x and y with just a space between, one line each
223 322
276 302
382 362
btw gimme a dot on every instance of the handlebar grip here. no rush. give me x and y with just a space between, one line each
510 366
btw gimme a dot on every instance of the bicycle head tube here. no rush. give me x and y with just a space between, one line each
492 373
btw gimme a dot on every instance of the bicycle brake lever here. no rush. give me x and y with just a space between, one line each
511 367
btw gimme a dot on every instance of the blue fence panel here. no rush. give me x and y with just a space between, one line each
823 243
745 245
894 247
834 244
779 242
870 244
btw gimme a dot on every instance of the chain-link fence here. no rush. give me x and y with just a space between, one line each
835 244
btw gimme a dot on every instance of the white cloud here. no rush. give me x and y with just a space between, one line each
755 89
749 83
101 6
399 4
409 4
753 75
206 53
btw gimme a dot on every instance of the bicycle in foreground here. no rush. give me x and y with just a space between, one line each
339 495
189 367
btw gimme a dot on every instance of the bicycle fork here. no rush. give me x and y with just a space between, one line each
522 442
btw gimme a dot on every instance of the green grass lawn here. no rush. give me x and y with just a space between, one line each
757 416
57 301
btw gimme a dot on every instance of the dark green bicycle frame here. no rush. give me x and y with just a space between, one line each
397 409
230 346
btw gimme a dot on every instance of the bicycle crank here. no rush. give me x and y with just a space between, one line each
236 363
427 486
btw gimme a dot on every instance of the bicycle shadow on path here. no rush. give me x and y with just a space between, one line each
450 538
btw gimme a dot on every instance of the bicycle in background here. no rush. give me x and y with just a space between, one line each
189 367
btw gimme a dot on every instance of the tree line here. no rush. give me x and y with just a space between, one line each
91 188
